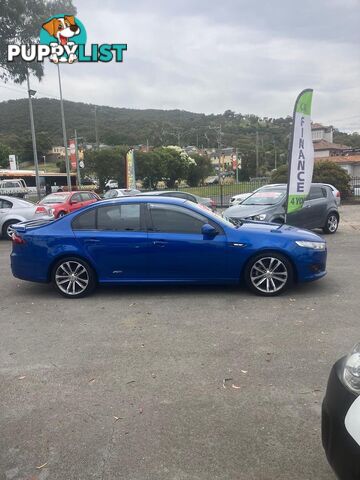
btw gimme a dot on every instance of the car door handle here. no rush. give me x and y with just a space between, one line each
92 240
160 243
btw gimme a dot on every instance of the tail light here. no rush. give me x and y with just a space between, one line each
338 194
17 239
41 210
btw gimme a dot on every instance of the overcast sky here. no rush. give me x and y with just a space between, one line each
210 56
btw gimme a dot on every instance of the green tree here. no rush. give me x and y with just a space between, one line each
20 23
106 164
149 166
324 172
4 156
198 171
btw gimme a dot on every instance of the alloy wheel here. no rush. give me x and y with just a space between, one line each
72 278
269 274
332 223
10 230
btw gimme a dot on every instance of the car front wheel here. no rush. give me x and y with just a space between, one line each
73 277
269 274
332 223
8 229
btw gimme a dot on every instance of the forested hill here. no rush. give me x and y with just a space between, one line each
131 127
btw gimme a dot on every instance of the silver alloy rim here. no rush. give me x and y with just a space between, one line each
10 230
332 223
72 278
268 274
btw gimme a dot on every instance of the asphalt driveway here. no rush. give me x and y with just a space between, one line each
173 383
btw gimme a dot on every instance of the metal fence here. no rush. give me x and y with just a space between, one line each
355 186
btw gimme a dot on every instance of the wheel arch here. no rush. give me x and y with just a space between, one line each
70 255
267 251
11 219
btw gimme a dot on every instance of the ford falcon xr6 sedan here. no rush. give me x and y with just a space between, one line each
139 240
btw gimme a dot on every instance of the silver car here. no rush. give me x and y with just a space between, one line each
14 210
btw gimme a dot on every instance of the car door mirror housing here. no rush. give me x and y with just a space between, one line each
209 231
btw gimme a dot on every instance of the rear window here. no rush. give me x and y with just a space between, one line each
54 199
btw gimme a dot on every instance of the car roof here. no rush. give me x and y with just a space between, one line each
12 199
159 192
143 199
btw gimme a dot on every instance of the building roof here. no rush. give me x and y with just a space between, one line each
340 159
319 126
325 145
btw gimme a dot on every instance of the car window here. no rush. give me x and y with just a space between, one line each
54 199
124 217
76 198
85 197
316 192
5 204
175 219
85 221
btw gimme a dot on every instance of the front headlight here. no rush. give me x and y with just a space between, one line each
312 245
262 216
351 373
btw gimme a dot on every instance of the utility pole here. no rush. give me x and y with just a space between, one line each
33 137
257 152
77 160
67 164
96 131
275 154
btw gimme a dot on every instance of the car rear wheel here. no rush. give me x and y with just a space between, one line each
269 274
73 277
61 214
332 223
8 229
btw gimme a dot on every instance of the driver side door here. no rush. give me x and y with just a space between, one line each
178 251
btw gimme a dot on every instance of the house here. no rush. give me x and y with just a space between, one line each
222 158
349 162
323 141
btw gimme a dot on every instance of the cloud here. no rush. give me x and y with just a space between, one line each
209 56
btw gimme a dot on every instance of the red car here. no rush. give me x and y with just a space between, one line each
62 203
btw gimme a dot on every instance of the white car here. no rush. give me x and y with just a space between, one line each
111 184
14 210
237 199
120 192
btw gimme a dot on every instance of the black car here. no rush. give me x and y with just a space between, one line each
268 204
207 202
341 417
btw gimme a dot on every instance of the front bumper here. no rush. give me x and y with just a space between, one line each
342 452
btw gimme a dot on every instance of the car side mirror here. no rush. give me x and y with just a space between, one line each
209 231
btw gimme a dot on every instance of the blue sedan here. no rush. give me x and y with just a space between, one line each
139 240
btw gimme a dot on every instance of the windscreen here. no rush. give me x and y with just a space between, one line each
265 197
54 199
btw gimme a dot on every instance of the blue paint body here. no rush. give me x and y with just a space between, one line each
154 257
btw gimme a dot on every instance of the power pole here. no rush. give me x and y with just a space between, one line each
77 160
96 131
275 154
257 153
33 137
67 163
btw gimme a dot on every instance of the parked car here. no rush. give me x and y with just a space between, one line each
341 417
206 202
163 240
111 184
14 210
62 203
214 180
120 192
240 197
268 204
14 188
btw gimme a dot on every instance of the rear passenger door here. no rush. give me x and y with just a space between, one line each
316 207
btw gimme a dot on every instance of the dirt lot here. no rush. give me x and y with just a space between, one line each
173 382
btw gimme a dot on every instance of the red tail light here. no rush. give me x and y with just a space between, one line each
41 210
338 194
17 239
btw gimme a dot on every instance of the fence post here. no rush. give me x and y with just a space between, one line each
221 195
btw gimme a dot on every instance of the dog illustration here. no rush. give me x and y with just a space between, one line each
63 29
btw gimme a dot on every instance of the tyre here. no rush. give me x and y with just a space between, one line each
332 223
8 230
73 277
61 214
269 274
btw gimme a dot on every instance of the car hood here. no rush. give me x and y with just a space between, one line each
245 211
286 230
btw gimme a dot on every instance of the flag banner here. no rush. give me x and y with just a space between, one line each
301 161
12 162
72 148
130 169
